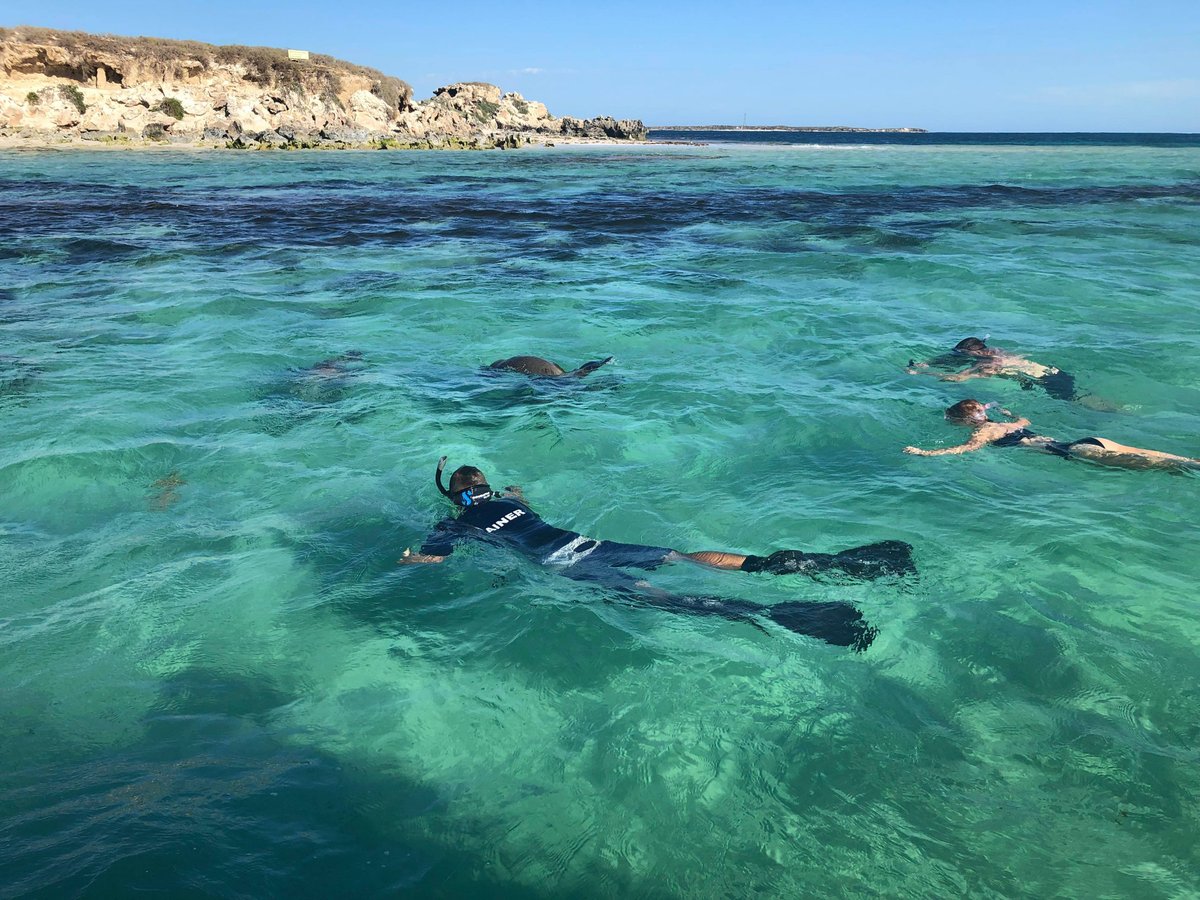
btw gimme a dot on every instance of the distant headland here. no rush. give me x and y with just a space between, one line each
805 128
68 87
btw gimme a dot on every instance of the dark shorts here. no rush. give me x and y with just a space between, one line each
591 560
1059 385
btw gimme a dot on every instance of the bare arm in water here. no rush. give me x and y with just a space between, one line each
976 370
970 373
982 436
409 558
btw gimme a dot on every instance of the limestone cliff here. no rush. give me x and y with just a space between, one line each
58 86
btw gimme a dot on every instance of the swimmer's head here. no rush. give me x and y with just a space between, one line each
972 346
468 485
466 477
967 412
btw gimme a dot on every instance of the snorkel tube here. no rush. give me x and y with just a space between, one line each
437 479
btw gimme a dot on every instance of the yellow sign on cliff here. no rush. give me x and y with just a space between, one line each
297 54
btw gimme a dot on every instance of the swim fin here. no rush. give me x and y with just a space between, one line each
868 561
836 623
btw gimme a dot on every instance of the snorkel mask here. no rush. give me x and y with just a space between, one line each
975 345
954 358
476 493
977 416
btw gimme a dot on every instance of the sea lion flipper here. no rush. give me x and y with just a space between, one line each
589 367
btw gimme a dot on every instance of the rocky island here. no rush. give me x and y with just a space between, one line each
62 87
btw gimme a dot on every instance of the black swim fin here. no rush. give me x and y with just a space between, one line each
836 623
868 561
589 367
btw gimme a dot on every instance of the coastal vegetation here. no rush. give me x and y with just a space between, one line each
486 110
172 107
75 96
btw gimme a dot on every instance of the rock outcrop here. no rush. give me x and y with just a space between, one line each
60 86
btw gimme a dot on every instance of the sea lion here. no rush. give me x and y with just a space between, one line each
322 383
17 377
336 366
535 365
167 494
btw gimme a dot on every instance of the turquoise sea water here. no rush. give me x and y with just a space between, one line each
217 681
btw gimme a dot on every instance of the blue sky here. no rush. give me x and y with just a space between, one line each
984 66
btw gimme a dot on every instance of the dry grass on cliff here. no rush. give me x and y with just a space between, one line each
268 66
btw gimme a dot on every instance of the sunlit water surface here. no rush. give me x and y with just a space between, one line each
216 679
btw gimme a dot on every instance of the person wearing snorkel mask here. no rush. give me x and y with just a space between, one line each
1016 433
503 517
983 361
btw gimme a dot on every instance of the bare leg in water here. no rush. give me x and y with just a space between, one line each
869 561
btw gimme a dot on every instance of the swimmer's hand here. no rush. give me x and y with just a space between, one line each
409 558
917 451
514 490
914 367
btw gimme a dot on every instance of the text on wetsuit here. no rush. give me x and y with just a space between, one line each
500 523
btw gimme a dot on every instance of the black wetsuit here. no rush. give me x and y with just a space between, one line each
509 522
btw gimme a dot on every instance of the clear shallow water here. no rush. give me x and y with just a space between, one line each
217 681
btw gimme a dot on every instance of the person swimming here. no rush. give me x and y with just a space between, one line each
535 365
504 518
1017 433
991 362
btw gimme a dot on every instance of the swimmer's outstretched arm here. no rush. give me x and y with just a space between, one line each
972 444
409 558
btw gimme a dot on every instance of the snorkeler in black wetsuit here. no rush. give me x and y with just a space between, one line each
504 518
